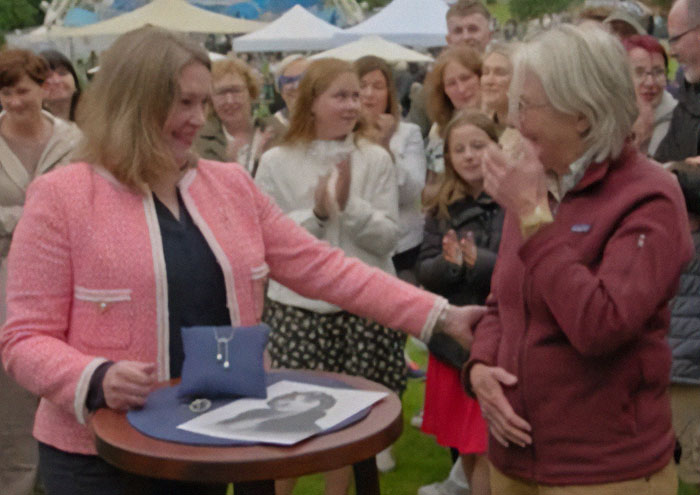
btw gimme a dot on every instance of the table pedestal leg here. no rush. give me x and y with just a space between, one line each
262 487
366 477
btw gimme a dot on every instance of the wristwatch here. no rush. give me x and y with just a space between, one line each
532 222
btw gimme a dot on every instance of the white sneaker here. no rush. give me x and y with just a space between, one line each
385 461
417 419
446 487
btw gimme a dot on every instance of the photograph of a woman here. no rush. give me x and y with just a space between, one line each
292 412
288 413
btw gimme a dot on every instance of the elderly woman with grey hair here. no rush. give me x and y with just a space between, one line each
570 365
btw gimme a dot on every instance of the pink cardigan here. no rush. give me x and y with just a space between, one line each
87 280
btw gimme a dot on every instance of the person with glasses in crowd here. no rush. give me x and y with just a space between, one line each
680 151
682 142
230 133
287 76
649 63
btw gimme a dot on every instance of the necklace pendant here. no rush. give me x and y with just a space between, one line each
226 364
219 357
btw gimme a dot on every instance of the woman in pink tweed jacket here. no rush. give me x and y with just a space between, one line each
88 282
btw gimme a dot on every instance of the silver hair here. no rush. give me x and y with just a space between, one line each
584 71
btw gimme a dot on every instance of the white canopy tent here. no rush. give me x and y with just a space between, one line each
419 23
177 15
374 45
295 30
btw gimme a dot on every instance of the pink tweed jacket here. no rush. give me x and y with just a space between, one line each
87 280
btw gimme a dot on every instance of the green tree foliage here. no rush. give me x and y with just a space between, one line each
17 14
529 9
373 4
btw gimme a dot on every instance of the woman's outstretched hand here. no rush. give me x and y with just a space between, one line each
505 426
460 322
127 384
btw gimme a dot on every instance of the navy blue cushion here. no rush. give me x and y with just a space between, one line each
224 361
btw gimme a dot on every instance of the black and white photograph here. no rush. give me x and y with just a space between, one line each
291 412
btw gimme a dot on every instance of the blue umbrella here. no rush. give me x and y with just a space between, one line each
76 17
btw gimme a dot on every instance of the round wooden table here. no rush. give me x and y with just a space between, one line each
252 469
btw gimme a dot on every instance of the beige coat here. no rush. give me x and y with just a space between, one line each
14 178
14 181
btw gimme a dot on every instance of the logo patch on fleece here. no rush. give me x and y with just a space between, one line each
581 228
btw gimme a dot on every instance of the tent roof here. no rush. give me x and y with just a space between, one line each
177 15
408 22
374 45
295 30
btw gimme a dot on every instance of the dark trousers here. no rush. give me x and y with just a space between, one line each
65 473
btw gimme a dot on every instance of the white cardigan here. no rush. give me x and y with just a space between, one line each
367 229
409 153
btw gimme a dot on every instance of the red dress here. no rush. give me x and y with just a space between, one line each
450 414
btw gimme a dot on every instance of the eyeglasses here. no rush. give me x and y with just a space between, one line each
656 74
283 81
232 90
672 40
524 106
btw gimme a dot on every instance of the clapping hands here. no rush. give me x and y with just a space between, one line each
459 251
329 199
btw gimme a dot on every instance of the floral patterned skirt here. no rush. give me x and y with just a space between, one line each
339 342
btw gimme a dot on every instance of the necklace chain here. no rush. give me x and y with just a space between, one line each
222 342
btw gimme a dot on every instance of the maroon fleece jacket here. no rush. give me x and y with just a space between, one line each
579 313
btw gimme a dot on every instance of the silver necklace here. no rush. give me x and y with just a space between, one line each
222 346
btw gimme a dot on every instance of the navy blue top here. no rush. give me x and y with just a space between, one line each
196 287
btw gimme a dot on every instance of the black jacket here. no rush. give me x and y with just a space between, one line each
462 285
683 137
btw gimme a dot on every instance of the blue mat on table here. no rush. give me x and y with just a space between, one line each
164 411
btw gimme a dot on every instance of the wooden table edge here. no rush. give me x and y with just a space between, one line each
288 462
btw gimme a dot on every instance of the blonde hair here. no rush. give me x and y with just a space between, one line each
221 68
502 48
438 105
317 79
584 71
452 186
124 109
